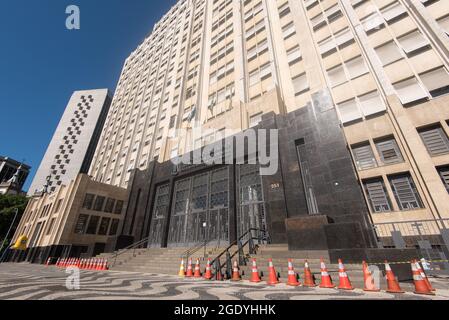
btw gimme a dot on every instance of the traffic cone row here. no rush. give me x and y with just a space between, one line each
421 281
85 264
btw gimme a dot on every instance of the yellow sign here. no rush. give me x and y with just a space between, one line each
21 244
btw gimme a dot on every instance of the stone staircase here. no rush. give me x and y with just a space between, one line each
166 261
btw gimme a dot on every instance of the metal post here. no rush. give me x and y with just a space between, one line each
228 265
7 235
241 253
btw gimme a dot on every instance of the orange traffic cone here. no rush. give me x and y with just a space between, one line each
369 280
236 272
392 282
272 275
255 273
48 262
326 280
208 273
421 286
345 283
189 273
309 280
424 276
58 262
106 264
197 269
292 276
182 271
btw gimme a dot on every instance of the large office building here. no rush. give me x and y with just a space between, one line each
73 144
357 89
13 175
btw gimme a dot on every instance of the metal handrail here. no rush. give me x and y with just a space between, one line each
191 251
241 247
133 247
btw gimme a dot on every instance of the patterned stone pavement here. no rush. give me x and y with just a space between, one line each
35 282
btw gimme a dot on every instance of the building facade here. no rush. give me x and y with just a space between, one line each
76 220
71 149
13 175
380 66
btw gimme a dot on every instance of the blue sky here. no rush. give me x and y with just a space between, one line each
42 63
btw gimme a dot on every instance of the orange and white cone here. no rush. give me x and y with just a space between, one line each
208 273
255 273
326 280
197 269
236 272
106 264
58 262
292 276
368 279
182 271
345 283
424 276
48 262
189 273
272 275
392 283
309 280
421 286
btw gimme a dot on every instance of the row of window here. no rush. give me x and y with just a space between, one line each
434 138
95 225
102 204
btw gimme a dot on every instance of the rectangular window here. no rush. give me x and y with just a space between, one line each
336 75
371 103
377 195
405 192
104 225
300 84
93 224
109 205
388 53
436 81
99 202
255 119
364 156
114 227
444 174
409 91
88 201
118 207
81 224
412 42
435 140
356 67
389 151
50 226
349 111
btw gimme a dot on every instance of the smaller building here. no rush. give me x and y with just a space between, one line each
13 175
77 220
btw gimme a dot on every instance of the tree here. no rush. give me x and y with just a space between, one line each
8 205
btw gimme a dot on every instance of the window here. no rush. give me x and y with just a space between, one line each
118 207
364 156
50 226
377 195
373 22
444 174
388 53
371 103
254 120
389 151
293 55
104 225
349 111
393 12
405 192
81 223
413 42
114 227
435 140
336 75
99 202
93 224
109 205
300 84
344 37
410 90
356 67
436 81
88 201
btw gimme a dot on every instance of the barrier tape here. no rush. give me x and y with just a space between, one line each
408 262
